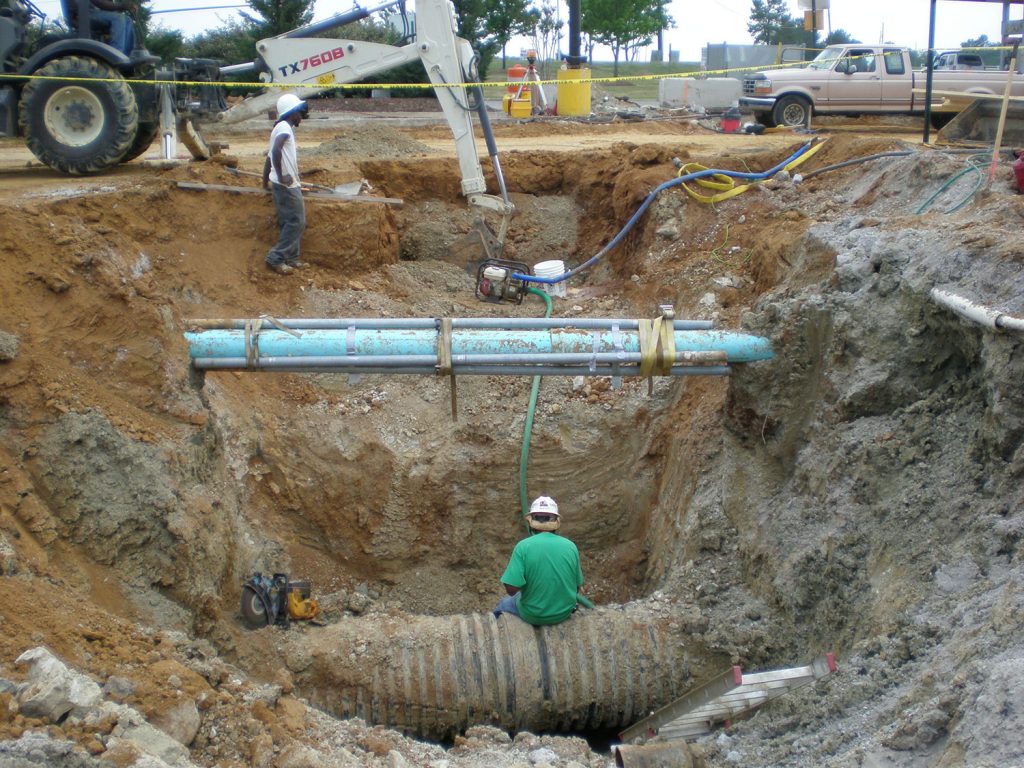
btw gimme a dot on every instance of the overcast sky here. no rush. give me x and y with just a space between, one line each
698 22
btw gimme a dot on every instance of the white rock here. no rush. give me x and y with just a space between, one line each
52 690
542 755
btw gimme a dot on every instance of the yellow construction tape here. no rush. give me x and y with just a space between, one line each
329 84
726 185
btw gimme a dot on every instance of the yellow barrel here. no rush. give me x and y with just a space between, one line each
573 99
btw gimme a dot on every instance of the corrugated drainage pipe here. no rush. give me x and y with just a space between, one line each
434 676
977 313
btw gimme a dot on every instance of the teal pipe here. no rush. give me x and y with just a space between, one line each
229 343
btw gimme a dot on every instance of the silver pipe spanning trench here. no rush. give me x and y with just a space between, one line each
434 676
306 366
306 323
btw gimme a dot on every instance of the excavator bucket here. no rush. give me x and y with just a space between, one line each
476 246
978 123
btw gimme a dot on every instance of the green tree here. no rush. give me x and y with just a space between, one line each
508 18
231 43
546 31
278 16
767 20
471 24
839 37
168 44
624 25
990 58
977 42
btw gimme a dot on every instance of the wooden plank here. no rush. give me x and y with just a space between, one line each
313 195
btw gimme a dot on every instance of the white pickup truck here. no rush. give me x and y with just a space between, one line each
861 79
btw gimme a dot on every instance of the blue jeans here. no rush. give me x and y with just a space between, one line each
291 218
122 29
508 604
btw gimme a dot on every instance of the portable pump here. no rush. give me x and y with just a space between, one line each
495 281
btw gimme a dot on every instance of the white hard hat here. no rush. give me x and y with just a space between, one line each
544 505
287 104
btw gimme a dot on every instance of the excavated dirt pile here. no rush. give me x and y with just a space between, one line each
859 494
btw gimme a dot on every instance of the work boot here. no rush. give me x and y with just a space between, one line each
281 269
298 264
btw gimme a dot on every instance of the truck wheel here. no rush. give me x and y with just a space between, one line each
143 139
78 127
792 111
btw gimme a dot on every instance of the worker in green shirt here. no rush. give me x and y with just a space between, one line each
543 575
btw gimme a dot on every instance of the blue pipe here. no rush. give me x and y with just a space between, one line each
646 204
738 347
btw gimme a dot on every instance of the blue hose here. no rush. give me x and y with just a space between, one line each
646 204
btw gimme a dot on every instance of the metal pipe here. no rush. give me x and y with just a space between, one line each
434 676
428 322
990 318
337 364
337 20
737 347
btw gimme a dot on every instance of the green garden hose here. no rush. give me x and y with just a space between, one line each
524 454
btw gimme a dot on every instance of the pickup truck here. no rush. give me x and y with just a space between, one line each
953 60
861 79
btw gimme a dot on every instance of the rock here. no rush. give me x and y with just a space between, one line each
542 755
298 756
8 346
118 688
261 751
292 713
181 723
52 690
134 729
283 678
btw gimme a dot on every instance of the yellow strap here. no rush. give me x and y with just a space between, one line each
657 346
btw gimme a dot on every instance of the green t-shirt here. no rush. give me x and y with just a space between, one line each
546 568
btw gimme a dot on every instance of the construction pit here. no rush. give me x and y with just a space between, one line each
860 493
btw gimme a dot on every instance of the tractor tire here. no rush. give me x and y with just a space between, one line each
143 139
792 111
78 127
254 610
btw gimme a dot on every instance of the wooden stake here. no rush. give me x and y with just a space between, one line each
1002 113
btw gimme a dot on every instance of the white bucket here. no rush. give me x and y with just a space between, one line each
551 269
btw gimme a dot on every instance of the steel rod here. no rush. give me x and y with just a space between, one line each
321 364
465 322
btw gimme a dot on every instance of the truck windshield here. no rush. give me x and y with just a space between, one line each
826 58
